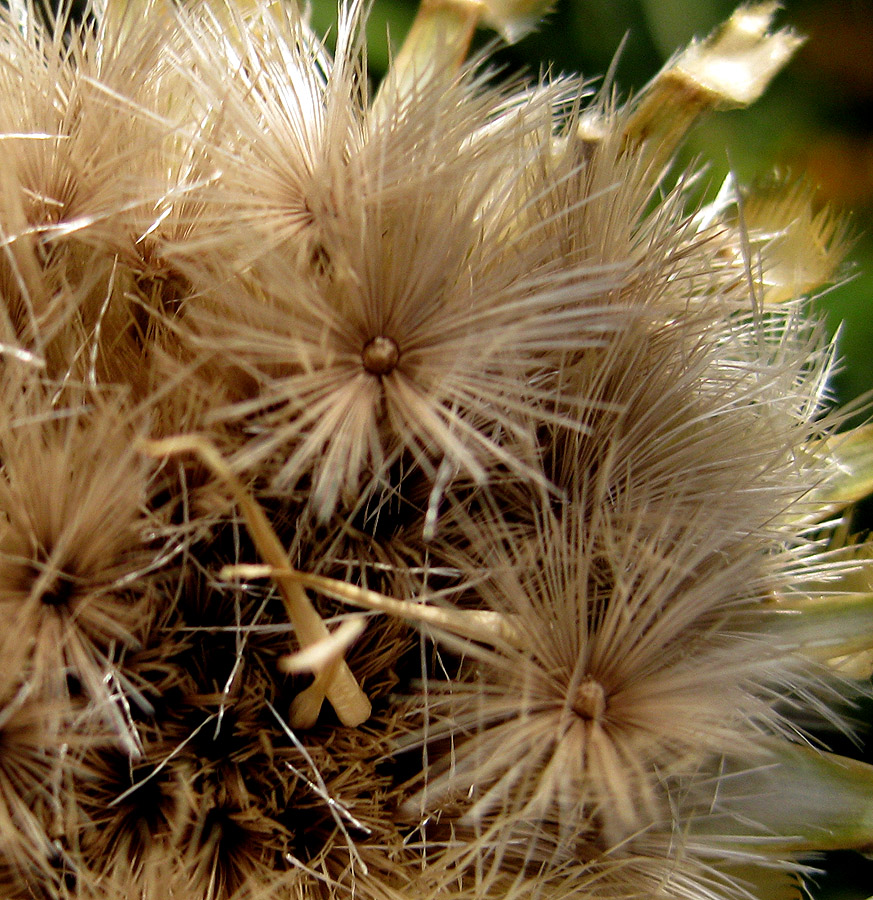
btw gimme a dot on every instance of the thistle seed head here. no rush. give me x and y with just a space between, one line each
459 357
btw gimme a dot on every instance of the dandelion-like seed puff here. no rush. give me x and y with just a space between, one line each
399 329
75 561
614 626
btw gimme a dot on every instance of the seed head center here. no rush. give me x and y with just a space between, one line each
58 592
380 355
590 700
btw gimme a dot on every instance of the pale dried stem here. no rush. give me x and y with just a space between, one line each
336 681
475 624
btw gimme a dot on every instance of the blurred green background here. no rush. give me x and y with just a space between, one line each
815 119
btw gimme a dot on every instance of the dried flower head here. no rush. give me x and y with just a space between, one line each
625 616
415 331
78 546
291 370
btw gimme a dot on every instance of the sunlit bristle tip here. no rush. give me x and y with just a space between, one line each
799 246
732 67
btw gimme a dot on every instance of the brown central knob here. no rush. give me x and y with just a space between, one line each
590 700
380 355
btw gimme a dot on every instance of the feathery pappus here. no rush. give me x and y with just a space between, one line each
409 492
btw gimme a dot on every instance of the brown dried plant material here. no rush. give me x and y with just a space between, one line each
669 421
80 552
96 170
391 356
460 419
342 323
285 122
33 784
337 684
